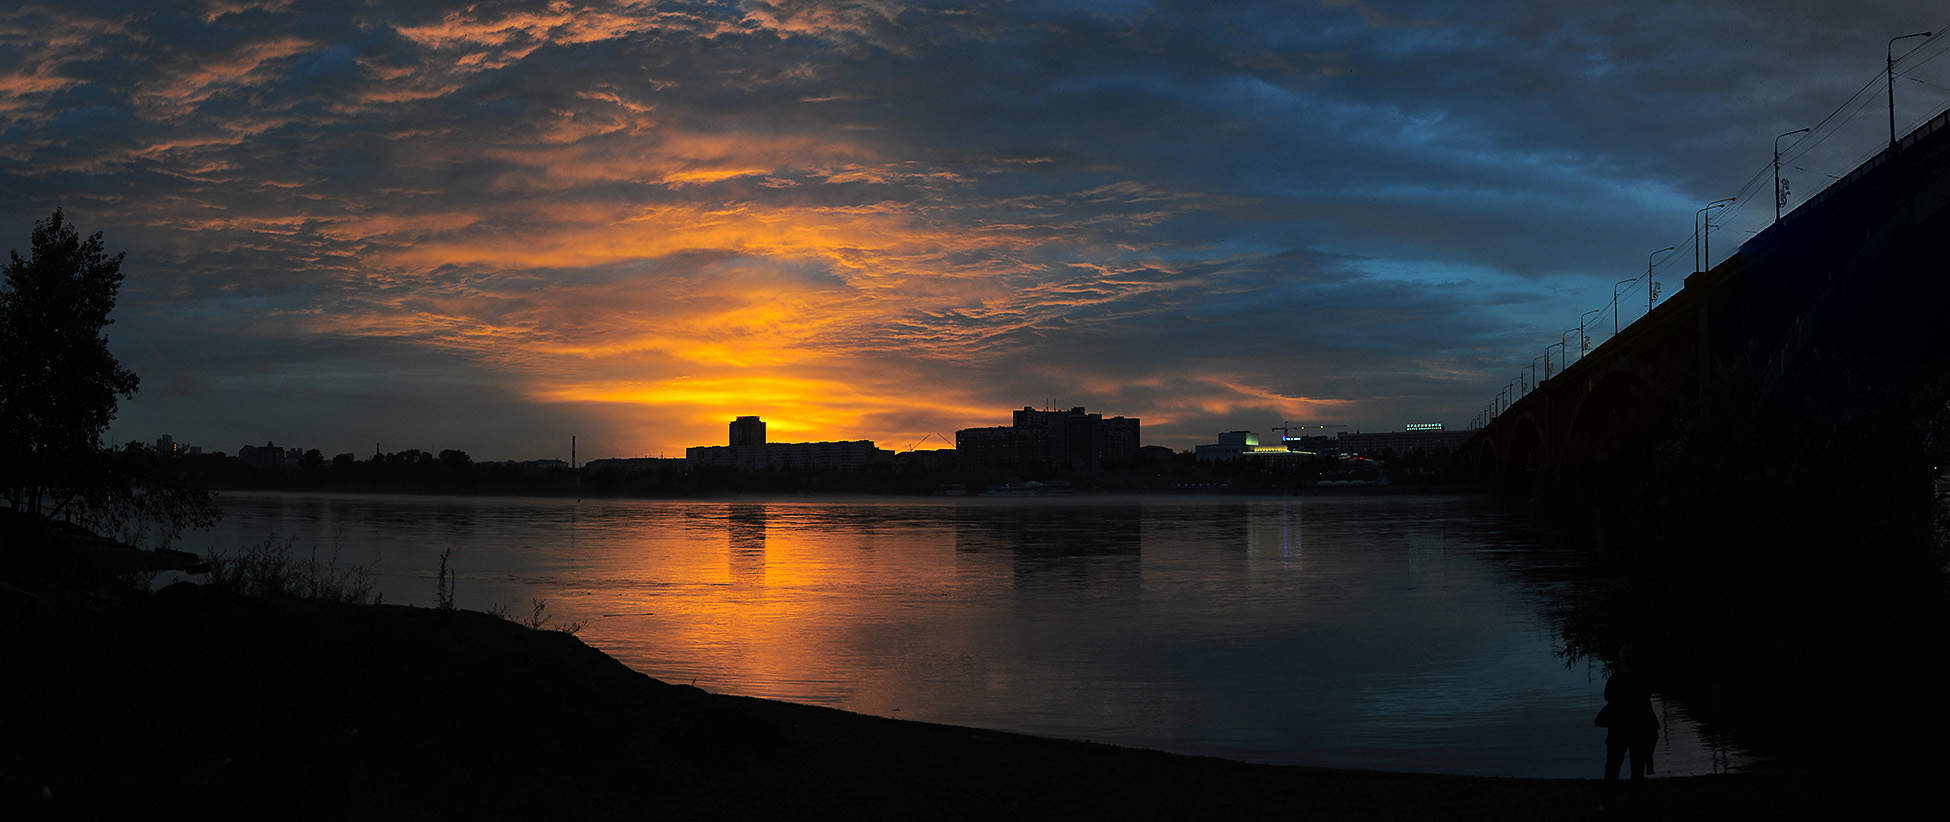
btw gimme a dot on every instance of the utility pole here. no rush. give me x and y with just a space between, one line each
1614 303
1702 241
1891 55
1652 287
1780 191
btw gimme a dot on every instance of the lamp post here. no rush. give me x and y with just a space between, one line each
1564 348
1584 340
1559 345
1780 195
1700 246
1891 56
1652 288
1614 303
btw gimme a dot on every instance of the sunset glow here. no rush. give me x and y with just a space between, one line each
494 226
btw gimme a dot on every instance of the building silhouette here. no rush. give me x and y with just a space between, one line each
749 451
747 431
269 455
1050 439
1425 437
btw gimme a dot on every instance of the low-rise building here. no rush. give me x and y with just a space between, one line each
632 465
749 451
1234 445
1426 437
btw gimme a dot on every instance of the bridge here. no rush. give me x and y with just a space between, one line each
1828 315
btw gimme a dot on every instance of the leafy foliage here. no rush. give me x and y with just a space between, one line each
140 495
59 387
58 382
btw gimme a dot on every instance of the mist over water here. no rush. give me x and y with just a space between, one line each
1394 633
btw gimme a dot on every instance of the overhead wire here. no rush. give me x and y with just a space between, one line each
1802 147
1938 38
1829 126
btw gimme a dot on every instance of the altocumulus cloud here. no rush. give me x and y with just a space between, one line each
489 225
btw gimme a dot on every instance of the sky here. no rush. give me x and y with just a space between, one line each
494 226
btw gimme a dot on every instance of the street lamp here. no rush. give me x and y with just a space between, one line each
1564 348
1614 303
1652 288
1547 357
1780 194
1584 340
1891 55
1700 246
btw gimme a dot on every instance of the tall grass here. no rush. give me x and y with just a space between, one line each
270 569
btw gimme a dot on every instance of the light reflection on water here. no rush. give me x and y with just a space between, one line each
1395 633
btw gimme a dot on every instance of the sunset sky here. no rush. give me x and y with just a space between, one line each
494 225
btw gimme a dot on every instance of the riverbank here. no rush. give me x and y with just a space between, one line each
203 700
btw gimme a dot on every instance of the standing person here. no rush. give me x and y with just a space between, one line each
1631 725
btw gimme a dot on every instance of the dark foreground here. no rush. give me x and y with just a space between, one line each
196 701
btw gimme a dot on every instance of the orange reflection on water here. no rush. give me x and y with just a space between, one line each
777 603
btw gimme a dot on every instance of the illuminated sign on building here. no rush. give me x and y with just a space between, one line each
1425 426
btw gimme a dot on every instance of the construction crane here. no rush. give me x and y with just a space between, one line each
911 446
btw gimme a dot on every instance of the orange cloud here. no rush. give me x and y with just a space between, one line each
671 414
480 42
174 95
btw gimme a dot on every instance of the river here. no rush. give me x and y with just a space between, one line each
1401 633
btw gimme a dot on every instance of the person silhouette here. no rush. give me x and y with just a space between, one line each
1631 725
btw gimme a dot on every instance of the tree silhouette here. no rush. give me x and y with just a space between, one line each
58 382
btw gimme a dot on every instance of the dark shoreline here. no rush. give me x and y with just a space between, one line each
293 709
224 705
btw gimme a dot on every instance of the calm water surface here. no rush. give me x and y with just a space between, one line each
1395 633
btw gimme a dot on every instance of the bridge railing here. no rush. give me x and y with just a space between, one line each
1936 124
1936 128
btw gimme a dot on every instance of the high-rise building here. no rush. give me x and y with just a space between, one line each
1050 439
747 431
268 456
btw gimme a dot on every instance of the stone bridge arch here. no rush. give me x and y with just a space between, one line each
1614 415
1526 449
